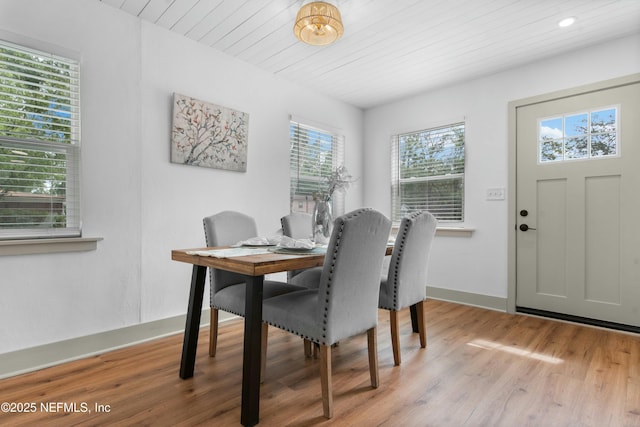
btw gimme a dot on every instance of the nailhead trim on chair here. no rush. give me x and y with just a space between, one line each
334 256
226 309
333 261
403 240
333 264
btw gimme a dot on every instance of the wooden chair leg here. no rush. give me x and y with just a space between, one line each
213 332
263 354
325 380
422 326
372 343
307 348
395 336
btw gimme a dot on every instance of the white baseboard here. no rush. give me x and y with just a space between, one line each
467 298
43 356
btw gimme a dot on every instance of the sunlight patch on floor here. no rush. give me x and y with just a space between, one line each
490 345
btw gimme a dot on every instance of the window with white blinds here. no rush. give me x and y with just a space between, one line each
314 154
427 173
39 144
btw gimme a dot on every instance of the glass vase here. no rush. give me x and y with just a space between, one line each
321 222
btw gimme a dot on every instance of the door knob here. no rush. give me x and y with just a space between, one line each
525 227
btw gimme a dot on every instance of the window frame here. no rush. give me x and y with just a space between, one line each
18 145
396 180
337 158
589 135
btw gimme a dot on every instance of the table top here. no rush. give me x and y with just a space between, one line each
253 265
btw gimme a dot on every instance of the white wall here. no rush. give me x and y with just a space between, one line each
141 204
479 264
144 206
175 198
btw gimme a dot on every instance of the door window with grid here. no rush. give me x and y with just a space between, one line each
585 135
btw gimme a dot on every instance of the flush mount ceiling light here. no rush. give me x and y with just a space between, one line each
567 22
318 23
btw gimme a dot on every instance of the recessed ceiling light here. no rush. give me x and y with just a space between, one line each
567 22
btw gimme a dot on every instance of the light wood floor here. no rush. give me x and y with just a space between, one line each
480 368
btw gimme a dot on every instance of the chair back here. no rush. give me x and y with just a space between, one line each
350 281
222 229
407 277
296 225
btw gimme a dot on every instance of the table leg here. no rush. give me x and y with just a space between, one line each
192 328
414 318
252 351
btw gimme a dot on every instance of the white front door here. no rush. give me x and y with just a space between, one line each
578 205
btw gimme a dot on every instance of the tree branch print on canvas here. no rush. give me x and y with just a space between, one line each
208 135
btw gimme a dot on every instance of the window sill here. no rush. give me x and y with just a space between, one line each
454 231
446 231
48 246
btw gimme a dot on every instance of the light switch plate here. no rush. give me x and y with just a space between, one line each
495 193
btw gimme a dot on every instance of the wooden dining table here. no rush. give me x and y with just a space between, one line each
253 267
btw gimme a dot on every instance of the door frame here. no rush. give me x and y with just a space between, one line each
512 148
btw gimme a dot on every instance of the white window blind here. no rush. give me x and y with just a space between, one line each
314 153
427 173
39 144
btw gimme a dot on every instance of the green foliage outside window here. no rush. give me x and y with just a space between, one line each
39 132
584 135
429 173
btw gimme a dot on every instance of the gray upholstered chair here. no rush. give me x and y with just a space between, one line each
346 302
227 288
404 284
297 225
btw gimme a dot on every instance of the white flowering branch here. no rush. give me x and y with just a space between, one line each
339 181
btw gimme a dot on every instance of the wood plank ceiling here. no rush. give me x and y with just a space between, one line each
393 48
